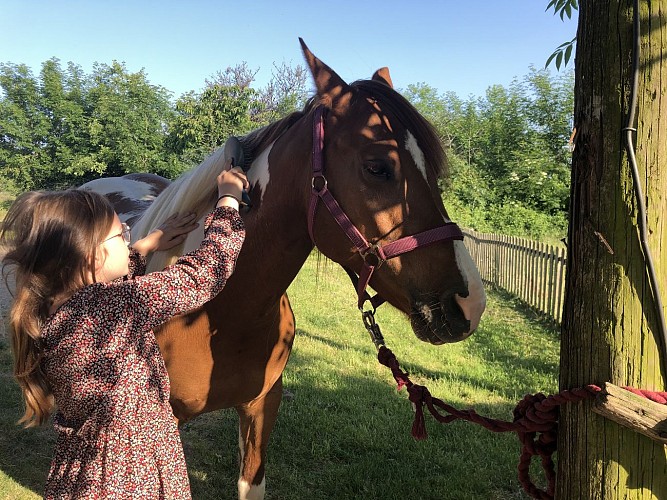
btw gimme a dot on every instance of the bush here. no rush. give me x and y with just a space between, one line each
509 218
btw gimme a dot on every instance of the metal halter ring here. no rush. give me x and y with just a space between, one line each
372 257
319 190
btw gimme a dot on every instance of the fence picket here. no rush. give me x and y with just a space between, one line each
532 271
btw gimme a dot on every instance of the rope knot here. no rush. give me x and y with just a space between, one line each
387 358
418 395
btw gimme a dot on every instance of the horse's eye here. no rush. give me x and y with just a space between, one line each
378 169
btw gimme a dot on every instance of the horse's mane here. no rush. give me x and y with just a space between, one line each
400 107
195 191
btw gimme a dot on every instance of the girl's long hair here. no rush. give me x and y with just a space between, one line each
50 240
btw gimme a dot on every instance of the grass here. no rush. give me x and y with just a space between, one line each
345 433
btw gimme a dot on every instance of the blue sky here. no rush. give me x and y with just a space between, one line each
462 46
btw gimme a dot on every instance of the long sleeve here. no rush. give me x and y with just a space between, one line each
109 378
137 264
194 279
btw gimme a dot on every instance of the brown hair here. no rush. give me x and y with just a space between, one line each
50 239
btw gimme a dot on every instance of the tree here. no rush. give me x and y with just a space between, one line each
513 143
127 122
285 93
240 76
205 121
24 127
63 98
610 329
65 128
230 106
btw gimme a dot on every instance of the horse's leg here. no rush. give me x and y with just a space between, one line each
256 421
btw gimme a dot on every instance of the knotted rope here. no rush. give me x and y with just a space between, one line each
535 420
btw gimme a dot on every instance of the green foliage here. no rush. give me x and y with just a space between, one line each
284 94
65 128
507 149
563 52
126 123
203 122
563 7
508 153
24 125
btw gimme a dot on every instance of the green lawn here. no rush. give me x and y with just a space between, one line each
345 434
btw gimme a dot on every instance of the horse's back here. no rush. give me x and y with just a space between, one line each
130 194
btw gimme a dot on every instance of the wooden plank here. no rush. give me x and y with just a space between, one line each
533 273
552 282
635 412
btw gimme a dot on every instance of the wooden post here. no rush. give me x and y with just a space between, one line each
609 330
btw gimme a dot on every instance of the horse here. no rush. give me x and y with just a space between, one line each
367 148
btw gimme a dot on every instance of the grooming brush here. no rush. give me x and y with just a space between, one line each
235 150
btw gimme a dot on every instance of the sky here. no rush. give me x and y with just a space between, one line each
463 46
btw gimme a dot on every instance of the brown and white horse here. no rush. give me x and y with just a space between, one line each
381 162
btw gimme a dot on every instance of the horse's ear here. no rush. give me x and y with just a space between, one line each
330 86
382 75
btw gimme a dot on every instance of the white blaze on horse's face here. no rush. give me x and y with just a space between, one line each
416 153
474 304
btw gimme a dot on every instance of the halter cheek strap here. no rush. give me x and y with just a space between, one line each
373 255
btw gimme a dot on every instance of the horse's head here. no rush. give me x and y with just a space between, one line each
382 161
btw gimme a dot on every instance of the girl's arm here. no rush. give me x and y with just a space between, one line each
194 279
170 233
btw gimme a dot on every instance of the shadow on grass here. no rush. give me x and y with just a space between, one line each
348 436
525 310
508 353
25 454
344 435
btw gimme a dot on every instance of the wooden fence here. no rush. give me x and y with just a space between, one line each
532 271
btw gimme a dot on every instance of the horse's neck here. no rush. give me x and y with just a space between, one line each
277 241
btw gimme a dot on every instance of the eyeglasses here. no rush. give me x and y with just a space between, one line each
125 234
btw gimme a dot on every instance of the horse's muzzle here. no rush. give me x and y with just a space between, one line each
451 319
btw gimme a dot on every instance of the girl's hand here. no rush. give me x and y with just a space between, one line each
232 182
170 233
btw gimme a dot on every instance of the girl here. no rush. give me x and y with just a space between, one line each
83 340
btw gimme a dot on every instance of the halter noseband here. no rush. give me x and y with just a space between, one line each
373 255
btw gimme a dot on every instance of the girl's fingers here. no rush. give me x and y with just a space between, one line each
176 220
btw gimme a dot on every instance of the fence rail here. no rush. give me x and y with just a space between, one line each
532 271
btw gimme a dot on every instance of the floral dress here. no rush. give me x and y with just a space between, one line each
116 434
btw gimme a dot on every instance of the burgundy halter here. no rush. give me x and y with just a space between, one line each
373 255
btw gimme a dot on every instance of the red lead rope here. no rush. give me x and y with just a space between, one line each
535 420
